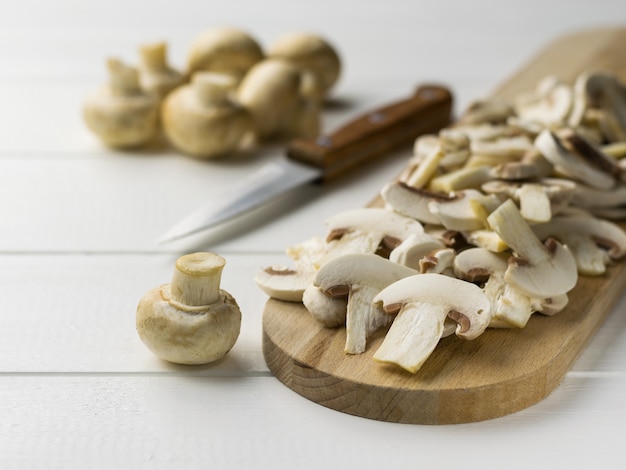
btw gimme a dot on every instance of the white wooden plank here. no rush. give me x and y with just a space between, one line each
233 423
77 313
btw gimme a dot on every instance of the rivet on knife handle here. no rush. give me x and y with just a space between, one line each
376 132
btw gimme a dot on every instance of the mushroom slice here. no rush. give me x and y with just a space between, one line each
360 277
538 201
592 241
438 262
601 90
549 104
423 303
509 307
416 247
537 269
592 198
283 283
329 311
487 239
487 112
458 212
583 166
463 178
532 165
551 305
503 149
364 230
412 202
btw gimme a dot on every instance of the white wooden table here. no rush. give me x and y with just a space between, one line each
78 225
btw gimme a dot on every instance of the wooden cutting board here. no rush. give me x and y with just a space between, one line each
502 371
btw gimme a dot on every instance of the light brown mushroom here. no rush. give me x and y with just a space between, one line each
120 113
191 320
225 50
203 120
271 92
314 55
156 76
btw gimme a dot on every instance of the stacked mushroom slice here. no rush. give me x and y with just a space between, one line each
492 220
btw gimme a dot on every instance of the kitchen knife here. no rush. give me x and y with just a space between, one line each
328 156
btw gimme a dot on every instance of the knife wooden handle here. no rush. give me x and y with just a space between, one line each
376 133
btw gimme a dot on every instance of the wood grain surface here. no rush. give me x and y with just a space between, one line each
502 371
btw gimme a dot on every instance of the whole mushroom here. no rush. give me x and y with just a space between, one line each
191 320
203 120
155 74
224 50
120 113
314 55
271 92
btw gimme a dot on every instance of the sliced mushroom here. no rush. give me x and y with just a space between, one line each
532 165
412 202
578 162
487 112
423 303
539 200
601 90
463 178
360 277
459 212
509 307
592 241
416 247
537 269
549 104
329 311
592 198
283 283
365 230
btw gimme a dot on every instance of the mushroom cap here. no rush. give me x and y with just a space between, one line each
462 301
337 275
374 220
311 53
121 121
187 337
200 128
270 91
225 50
329 311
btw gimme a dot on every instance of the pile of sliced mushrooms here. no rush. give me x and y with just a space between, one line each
233 96
493 220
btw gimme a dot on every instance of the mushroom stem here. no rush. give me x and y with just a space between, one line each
212 88
153 57
196 279
123 80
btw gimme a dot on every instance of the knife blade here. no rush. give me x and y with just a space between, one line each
328 156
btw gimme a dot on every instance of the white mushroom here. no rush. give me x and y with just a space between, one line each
191 320
549 104
360 277
414 248
224 50
423 303
577 159
120 113
271 92
329 311
156 76
509 307
536 269
538 201
283 283
532 165
458 212
366 230
202 120
313 54
592 241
